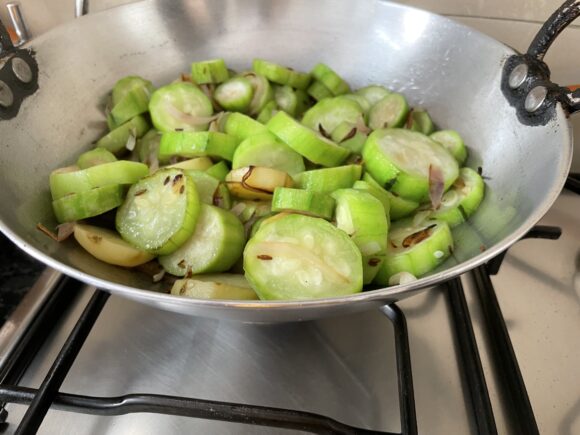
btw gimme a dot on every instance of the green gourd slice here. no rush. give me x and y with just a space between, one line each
216 244
160 212
362 217
390 112
242 126
330 79
267 112
281 75
116 140
452 142
349 137
262 90
301 257
378 192
216 286
416 249
419 120
267 150
373 94
462 200
180 106
87 204
222 197
219 170
205 184
362 102
67 181
235 94
196 144
94 157
329 113
398 207
328 180
130 97
147 147
318 91
303 201
402 160
209 71
306 142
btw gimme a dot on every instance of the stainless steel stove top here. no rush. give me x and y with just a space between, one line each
344 368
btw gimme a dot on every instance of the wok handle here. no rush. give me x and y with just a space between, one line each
526 78
81 8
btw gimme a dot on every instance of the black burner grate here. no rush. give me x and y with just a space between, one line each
48 395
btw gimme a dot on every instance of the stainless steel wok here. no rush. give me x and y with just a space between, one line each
515 123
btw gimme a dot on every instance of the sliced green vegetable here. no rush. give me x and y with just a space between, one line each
403 160
349 137
452 142
235 94
267 150
362 217
461 201
160 212
362 102
216 244
217 286
329 78
66 181
267 112
219 170
246 210
419 120
242 126
262 90
222 197
205 184
301 257
328 180
147 147
306 142
95 157
130 98
209 71
399 207
302 201
329 113
389 112
281 75
373 94
117 140
197 143
180 106
378 192
87 204
318 91
417 249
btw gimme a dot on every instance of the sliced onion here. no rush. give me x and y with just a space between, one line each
436 186
402 278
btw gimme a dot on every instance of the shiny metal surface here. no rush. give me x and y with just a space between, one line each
18 23
518 76
21 70
343 367
427 57
535 98
17 324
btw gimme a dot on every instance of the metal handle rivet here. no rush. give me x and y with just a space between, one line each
518 76
21 70
6 95
535 98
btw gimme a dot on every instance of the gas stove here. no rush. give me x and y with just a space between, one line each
492 352
495 351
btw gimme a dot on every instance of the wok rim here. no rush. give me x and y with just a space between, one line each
377 295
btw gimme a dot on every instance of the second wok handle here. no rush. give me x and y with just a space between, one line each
81 8
558 21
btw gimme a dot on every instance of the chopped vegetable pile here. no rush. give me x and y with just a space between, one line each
269 183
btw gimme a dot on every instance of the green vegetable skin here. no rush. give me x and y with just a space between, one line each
302 257
289 175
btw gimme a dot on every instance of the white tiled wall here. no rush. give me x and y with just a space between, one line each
512 21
